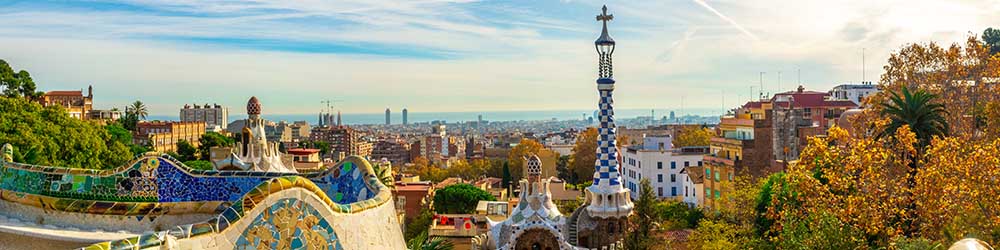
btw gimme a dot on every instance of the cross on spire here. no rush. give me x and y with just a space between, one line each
604 17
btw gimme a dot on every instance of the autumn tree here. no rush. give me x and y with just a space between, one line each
956 190
690 136
963 77
517 155
584 155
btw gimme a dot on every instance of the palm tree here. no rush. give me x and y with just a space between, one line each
139 109
918 110
421 242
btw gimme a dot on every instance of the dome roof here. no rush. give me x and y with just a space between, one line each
253 106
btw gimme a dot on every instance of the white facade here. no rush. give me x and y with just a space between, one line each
693 182
661 167
853 92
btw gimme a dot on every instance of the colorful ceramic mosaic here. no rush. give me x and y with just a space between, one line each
289 224
252 235
158 179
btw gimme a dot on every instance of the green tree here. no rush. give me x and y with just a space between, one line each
506 175
640 235
186 151
210 140
9 80
199 164
139 110
562 169
324 147
129 120
918 110
120 134
459 199
674 215
28 88
422 242
51 137
419 224
991 37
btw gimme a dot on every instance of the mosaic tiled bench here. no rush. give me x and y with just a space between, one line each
156 185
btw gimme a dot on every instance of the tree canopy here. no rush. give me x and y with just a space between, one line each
212 139
49 136
691 136
17 84
459 199
517 155
584 155
991 37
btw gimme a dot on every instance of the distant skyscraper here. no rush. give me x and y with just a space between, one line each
388 119
338 119
672 117
405 122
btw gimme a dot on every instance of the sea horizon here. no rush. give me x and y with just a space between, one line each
462 116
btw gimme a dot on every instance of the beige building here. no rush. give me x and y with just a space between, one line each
305 159
214 116
76 104
163 136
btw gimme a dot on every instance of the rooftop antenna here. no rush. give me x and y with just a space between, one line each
800 76
761 89
779 82
863 73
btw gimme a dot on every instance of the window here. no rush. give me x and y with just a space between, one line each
659 165
687 163
659 177
717 194
708 171
708 192
673 191
673 165
716 176
673 178
699 163
659 191
730 176
685 191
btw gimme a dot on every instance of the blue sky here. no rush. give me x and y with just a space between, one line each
462 55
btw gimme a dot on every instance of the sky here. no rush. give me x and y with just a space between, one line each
463 55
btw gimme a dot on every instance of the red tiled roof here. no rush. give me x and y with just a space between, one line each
65 93
753 105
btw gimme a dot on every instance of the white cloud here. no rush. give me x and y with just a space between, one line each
528 57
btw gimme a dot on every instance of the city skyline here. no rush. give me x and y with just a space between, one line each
480 56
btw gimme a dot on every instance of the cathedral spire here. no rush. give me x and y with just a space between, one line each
606 195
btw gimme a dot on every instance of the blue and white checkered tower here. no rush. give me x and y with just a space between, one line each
606 195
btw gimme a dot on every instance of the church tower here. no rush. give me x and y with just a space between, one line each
608 203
